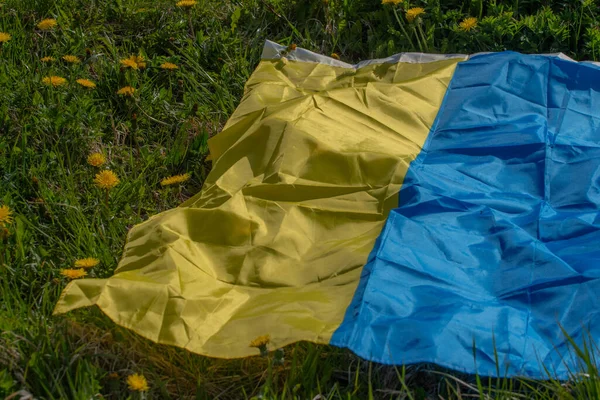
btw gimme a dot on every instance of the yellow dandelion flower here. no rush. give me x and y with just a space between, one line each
5 215
47 24
134 62
172 180
261 341
106 179
413 13
71 59
468 23
168 65
126 91
54 81
4 37
88 262
129 63
391 1
86 83
186 3
335 56
73 273
96 159
139 60
47 59
137 382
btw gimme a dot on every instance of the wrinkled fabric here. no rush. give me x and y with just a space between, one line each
305 173
418 208
495 243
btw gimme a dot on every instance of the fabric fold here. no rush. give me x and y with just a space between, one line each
304 175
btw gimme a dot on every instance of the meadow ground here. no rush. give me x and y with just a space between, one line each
62 98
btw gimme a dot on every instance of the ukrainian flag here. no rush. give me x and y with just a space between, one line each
419 208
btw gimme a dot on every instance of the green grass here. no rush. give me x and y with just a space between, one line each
47 133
